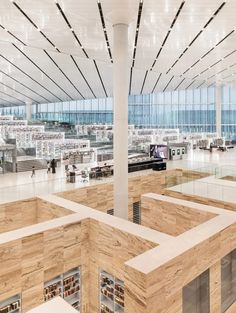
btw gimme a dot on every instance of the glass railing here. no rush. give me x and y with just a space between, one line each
206 189
226 172
39 188
194 172
43 187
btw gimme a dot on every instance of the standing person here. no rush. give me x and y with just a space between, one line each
48 167
33 171
66 162
53 166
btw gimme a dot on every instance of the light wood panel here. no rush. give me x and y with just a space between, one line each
154 275
207 201
100 197
27 263
17 214
164 284
110 248
215 288
47 211
170 218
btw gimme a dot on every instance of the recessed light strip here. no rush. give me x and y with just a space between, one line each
35 26
5 105
100 77
201 84
42 71
137 30
180 84
28 76
145 77
214 64
104 30
70 27
14 36
81 73
21 93
25 86
190 84
10 96
168 33
209 51
168 83
64 74
140 8
158 79
197 36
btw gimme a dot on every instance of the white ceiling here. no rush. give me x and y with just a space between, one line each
54 51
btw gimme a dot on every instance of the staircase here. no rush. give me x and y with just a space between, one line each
24 166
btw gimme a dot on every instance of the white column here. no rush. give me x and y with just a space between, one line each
120 94
218 109
28 110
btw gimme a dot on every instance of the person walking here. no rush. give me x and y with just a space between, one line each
33 171
53 165
48 167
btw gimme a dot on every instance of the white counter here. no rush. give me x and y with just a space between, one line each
56 305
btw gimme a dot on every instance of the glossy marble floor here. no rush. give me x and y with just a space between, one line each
15 186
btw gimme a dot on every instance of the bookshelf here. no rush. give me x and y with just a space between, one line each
53 288
71 288
111 294
67 286
11 305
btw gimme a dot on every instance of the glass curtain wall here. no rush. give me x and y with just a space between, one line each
92 111
189 110
229 112
17 111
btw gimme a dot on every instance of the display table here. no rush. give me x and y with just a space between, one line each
143 165
101 171
57 305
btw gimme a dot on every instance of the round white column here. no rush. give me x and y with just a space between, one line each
28 110
120 94
218 95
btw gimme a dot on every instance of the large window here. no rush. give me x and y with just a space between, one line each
189 110
228 280
196 295
229 112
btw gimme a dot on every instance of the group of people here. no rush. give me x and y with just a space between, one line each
51 165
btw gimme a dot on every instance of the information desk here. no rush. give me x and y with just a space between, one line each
107 170
143 165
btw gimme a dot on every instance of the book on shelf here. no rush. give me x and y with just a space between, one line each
11 305
111 294
67 286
